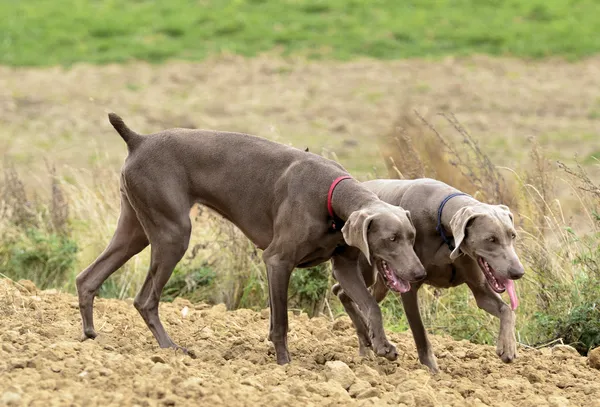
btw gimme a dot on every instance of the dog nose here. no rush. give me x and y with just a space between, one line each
419 273
515 273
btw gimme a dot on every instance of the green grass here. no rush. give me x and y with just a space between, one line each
44 32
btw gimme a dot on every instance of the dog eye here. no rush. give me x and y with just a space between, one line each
492 239
393 238
513 235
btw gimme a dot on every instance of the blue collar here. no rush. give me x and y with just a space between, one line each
439 228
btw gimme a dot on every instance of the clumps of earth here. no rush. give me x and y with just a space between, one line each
43 363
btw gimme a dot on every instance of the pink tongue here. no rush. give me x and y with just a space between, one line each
512 294
398 285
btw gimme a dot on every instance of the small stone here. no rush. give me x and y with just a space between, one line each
104 371
558 401
371 401
265 313
594 358
369 374
372 392
358 387
327 390
533 375
298 390
459 354
157 359
10 398
161 369
406 398
56 368
339 372
424 399
7 347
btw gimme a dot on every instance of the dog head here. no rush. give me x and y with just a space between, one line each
486 233
385 234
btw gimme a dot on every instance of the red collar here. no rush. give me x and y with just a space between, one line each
337 223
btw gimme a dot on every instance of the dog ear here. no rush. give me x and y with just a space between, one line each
409 218
458 225
506 209
355 231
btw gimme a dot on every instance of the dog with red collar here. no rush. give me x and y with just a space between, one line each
288 202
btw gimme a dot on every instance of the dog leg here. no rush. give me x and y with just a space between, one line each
278 275
411 309
166 221
491 302
353 284
128 240
362 331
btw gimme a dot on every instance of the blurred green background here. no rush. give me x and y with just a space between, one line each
43 32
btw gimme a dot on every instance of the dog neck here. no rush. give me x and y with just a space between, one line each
450 209
350 196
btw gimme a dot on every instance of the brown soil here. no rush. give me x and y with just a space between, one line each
43 363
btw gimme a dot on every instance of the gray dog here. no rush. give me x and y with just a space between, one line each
459 240
277 195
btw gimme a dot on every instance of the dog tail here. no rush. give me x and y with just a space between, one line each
131 137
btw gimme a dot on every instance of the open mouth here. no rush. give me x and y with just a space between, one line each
498 284
392 281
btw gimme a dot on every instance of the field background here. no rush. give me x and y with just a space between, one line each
338 77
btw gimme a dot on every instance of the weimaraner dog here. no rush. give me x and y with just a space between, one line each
288 202
459 240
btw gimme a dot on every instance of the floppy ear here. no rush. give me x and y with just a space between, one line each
508 212
409 218
458 224
355 231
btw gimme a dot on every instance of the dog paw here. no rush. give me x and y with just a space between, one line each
507 350
283 356
430 361
386 350
88 334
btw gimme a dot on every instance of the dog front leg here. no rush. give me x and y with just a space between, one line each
413 315
491 302
278 275
348 275
362 331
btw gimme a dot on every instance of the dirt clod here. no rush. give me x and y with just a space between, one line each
359 386
594 358
235 365
338 371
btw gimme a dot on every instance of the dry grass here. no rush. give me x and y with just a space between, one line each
332 106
